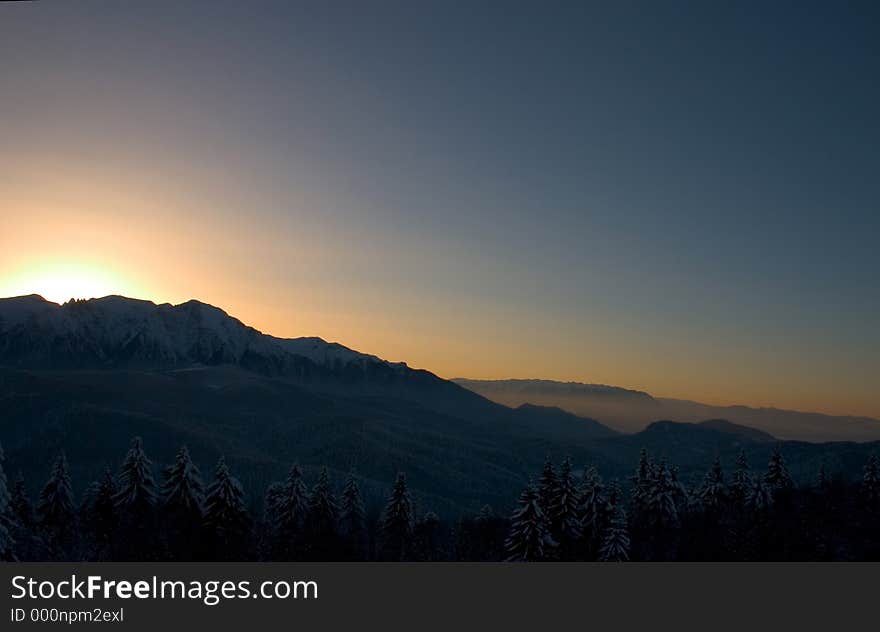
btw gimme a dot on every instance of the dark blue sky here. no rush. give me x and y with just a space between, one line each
681 198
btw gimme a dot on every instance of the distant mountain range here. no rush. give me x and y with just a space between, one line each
87 376
632 411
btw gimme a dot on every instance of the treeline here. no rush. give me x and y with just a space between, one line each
748 516
130 516
562 516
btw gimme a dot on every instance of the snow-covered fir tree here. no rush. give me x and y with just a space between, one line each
55 507
88 496
100 516
182 488
22 519
7 541
273 504
396 525
353 519
226 517
323 512
643 482
103 503
759 498
870 488
182 505
741 481
615 540
712 492
680 492
137 488
286 509
295 502
662 499
529 539
136 500
777 476
565 524
352 514
593 511
20 503
548 487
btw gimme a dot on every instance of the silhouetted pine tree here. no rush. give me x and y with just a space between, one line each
548 488
135 505
28 544
7 539
273 503
529 539
88 496
353 519
292 509
593 513
182 488
659 521
100 518
182 501
20 503
565 524
704 518
679 491
642 485
712 493
269 530
136 493
741 481
870 490
662 502
759 499
226 518
777 477
321 520
55 509
615 539
755 525
396 524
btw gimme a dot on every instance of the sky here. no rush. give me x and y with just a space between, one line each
676 197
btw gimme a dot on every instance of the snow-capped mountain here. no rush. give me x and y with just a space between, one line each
115 331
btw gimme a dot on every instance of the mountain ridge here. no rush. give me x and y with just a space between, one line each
87 376
632 411
159 321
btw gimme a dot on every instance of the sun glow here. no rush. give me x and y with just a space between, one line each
63 280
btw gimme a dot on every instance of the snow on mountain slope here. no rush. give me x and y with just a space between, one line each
328 353
115 330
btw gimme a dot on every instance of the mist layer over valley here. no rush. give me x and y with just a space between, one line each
632 411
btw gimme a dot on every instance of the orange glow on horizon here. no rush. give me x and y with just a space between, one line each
61 280
69 238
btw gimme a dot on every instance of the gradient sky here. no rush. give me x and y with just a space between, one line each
682 199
